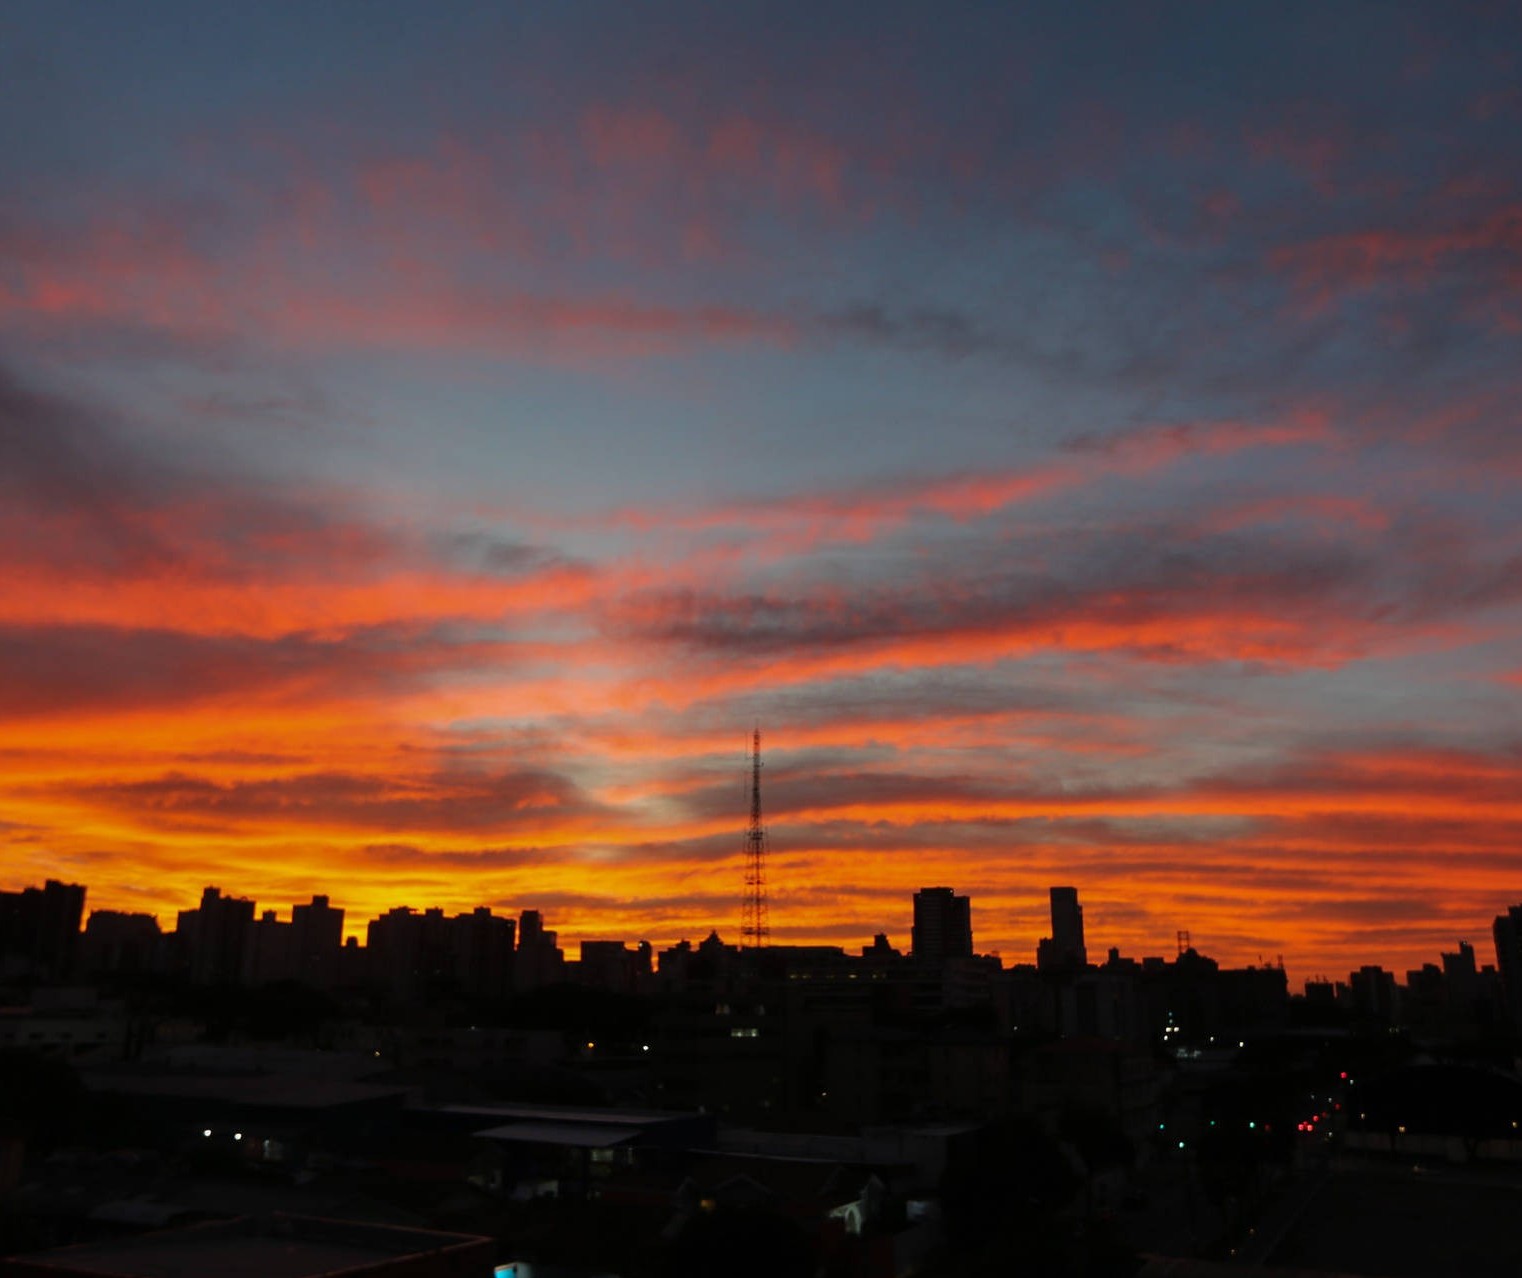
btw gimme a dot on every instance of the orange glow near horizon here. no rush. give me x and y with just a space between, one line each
441 736
417 497
280 752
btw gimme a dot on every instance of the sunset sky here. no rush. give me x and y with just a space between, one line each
1087 441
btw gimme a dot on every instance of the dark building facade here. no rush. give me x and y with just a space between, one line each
419 956
1507 930
213 939
942 925
1065 947
316 938
39 928
118 942
539 960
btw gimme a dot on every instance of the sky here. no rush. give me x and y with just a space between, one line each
1084 439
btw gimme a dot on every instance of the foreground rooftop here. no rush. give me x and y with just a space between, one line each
273 1246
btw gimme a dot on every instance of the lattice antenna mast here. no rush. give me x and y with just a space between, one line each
755 927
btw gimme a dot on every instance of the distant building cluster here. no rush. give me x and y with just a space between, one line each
846 1090
413 957
39 929
408 955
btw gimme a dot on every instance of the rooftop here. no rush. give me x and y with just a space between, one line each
579 1135
272 1246
274 1091
573 1114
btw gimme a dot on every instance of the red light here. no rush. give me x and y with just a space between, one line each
1343 1076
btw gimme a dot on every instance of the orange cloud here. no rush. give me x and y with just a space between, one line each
214 683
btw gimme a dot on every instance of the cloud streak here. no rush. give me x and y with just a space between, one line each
1089 456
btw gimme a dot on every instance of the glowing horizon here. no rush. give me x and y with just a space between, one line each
1091 456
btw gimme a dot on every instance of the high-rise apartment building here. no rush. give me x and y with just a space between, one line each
39 928
483 952
116 942
538 960
1064 948
942 924
214 937
316 938
1508 935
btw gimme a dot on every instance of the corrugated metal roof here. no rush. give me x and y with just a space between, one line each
574 1114
578 1135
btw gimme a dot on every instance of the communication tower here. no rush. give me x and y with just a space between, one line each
755 928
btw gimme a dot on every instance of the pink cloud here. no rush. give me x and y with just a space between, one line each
1332 266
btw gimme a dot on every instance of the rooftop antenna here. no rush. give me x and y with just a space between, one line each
755 929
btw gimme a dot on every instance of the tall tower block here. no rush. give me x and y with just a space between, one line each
1064 948
942 925
755 927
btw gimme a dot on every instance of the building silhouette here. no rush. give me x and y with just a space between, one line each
1064 949
539 960
316 938
482 945
268 955
612 965
1374 995
116 941
39 928
214 937
427 957
942 925
1507 931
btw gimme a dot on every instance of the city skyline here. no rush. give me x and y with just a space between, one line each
942 916
429 443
